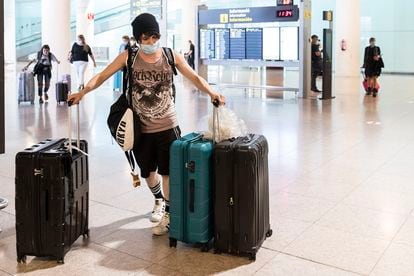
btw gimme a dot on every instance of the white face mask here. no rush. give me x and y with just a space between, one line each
80 42
150 49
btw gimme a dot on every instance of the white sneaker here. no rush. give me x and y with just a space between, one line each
158 211
163 227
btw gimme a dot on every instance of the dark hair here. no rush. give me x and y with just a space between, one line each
45 47
372 39
125 37
150 34
314 37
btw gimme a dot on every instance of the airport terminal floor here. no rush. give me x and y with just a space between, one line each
341 193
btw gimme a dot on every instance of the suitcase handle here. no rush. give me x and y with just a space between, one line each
192 196
70 103
216 121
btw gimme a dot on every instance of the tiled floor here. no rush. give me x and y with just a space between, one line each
341 176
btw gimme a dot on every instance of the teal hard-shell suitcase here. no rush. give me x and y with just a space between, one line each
191 191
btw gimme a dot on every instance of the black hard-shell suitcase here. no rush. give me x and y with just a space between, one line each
241 195
62 90
52 198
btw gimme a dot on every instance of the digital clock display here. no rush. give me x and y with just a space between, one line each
284 13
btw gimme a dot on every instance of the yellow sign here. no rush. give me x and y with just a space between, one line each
308 14
224 18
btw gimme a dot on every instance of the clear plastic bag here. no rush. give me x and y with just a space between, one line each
227 126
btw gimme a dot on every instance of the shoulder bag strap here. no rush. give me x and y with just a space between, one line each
170 57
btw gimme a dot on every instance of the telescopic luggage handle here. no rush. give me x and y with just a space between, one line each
70 103
216 120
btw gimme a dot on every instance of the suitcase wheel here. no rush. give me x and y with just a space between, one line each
21 259
86 234
217 251
269 233
252 256
205 247
173 242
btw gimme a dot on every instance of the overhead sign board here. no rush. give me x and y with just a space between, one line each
249 15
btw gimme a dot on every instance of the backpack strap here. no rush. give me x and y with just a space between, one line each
170 57
132 54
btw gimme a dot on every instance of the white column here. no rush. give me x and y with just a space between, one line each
305 47
56 30
162 22
347 19
189 25
85 19
10 32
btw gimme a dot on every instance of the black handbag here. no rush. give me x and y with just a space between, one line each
124 124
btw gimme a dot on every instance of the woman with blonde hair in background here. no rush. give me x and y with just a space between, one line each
79 57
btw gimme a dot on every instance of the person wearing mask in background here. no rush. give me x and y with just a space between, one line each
316 68
190 54
152 101
43 70
119 77
373 65
79 56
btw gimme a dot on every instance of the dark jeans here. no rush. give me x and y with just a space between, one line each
316 71
191 62
45 75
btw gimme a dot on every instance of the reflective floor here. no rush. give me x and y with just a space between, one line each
341 182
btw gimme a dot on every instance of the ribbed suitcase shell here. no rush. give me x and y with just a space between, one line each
241 195
62 90
52 199
26 89
191 191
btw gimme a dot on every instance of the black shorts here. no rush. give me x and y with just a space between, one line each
153 151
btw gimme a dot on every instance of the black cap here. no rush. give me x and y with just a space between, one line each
314 37
144 23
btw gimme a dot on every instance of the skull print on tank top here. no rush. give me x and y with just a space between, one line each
152 95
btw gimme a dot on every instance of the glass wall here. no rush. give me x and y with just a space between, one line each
392 24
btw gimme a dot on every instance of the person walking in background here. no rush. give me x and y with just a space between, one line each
43 70
118 78
373 65
79 56
190 55
316 62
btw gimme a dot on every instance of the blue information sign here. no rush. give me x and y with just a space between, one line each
254 42
249 15
222 40
237 43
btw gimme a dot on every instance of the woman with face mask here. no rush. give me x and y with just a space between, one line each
152 101
373 65
43 70
79 57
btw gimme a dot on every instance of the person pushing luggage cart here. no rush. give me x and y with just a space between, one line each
151 99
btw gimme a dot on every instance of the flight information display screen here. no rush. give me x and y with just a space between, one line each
222 41
269 43
237 43
254 38
207 50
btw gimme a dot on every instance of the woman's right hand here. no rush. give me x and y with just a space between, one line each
76 97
